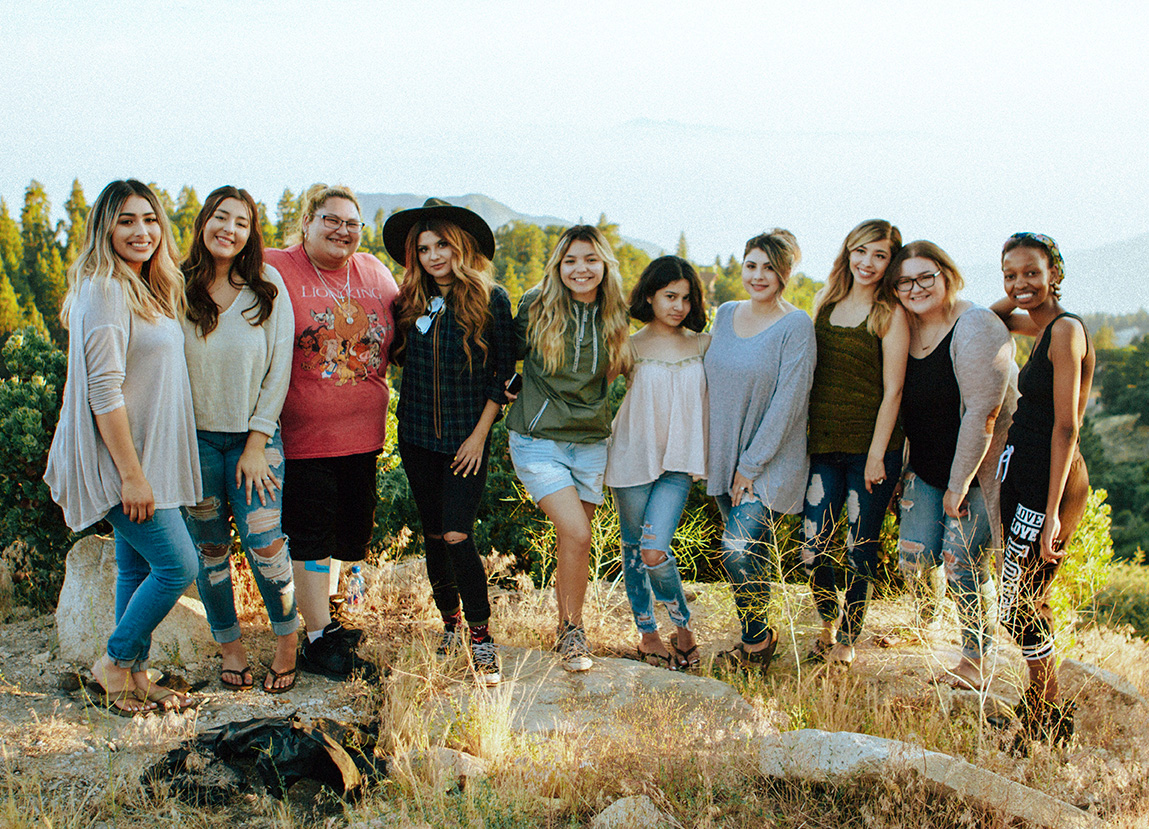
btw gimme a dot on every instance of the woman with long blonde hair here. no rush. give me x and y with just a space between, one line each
455 339
855 444
572 331
125 446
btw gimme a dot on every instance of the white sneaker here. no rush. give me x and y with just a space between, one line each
573 649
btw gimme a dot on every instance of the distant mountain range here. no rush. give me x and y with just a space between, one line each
494 213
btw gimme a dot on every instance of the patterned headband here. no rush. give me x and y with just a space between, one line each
1050 246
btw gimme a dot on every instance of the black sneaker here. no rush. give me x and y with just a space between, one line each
330 656
349 637
485 658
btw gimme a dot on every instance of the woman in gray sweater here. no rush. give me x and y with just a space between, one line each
759 369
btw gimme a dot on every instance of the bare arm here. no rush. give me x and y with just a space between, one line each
895 350
1018 322
1067 347
139 504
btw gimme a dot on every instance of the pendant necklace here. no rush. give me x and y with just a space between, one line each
342 299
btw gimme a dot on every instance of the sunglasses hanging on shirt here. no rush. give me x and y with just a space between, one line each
423 324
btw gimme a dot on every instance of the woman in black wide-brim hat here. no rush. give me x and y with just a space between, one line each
454 337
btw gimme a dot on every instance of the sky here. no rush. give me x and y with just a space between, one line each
961 122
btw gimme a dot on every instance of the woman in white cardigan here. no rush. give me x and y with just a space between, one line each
959 395
238 336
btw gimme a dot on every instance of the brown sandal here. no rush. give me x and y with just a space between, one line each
738 658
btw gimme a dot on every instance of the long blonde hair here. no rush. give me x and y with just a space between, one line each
840 280
158 289
470 296
550 313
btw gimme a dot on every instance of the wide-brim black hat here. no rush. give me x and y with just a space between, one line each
398 225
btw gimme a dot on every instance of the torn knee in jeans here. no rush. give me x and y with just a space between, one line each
205 510
910 562
653 558
216 562
454 537
262 520
274 562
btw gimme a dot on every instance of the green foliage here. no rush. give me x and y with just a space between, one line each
1125 600
1087 564
1125 381
29 408
44 267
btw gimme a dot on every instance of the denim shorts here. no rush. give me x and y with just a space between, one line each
546 466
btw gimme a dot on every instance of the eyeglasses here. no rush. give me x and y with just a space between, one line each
907 283
423 324
334 223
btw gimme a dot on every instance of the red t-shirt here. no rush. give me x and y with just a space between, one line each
337 401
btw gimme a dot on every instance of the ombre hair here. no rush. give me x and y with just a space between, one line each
841 280
314 198
781 249
199 266
923 249
656 276
550 313
157 290
470 295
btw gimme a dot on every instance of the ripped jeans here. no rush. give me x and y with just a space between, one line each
929 539
648 515
748 548
258 527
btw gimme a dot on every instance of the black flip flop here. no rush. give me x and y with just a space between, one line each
275 676
245 674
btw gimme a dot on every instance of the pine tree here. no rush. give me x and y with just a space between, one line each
682 250
77 209
610 231
288 212
32 316
11 317
43 261
269 232
187 209
12 252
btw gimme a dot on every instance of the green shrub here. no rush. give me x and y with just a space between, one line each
1125 600
29 408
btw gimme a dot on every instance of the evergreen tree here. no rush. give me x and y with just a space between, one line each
288 210
43 261
269 231
682 250
610 231
77 209
728 285
11 318
33 317
12 252
188 206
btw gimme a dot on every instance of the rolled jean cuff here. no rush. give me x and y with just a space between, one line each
133 665
226 635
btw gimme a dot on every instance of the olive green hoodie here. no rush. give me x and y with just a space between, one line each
571 404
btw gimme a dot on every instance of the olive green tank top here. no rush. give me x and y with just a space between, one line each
847 389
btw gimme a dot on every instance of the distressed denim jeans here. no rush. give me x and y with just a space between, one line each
258 527
155 564
648 516
837 483
929 539
748 547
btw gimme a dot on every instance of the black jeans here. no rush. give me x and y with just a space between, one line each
448 503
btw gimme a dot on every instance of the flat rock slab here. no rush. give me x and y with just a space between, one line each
820 756
544 699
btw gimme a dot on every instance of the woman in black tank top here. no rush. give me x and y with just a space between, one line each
1044 481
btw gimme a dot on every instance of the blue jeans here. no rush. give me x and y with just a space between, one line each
837 481
748 547
648 515
258 527
155 564
929 539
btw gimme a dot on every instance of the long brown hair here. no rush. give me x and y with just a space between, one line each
550 313
841 280
157 290
470 294
199 266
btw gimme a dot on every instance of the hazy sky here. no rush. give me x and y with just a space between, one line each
960 121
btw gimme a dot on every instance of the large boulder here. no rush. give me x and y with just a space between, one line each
841 757
637 812
85 614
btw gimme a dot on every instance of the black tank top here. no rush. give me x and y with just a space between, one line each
931 414
1032 426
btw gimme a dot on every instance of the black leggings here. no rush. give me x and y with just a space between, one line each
1026 577
448 503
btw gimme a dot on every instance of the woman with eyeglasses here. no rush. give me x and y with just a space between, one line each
855 444
238 331
960 391
334 419
1044 480
455 338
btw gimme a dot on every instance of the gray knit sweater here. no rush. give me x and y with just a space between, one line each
759 393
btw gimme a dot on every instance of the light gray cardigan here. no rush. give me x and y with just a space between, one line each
759 394
982 353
